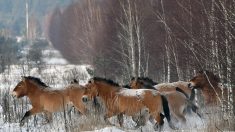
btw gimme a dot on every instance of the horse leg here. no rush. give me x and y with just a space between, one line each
136 120
196 110
106 116
159 121
81 109
120 119
139 120
33 111
180 116
70 110
48 117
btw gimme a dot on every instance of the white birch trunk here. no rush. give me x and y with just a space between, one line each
228 57
168 64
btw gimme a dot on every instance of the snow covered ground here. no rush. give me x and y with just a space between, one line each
57 76
57 73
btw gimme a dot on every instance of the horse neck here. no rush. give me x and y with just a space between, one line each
32 88
211 86
212 92
106 91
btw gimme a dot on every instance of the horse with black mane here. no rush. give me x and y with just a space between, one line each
119 101
46 100
179 101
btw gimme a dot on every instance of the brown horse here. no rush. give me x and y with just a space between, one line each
46 100
179 101
179 86
209 84
119 101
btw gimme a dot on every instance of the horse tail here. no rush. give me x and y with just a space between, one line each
181 91
166 109
192 96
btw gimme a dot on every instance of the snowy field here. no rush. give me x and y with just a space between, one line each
57 76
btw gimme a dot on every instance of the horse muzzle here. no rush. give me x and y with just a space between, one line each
189 85
84 99
14 94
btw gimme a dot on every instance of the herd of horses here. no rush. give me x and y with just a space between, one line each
142 99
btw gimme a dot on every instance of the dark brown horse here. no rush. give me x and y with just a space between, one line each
119 101
209 84
179 101
45 100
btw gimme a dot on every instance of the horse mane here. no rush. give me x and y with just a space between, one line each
126 86
146 80
36 80
108 81
75 81
148 86
211 76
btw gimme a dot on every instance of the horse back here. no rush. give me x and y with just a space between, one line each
54 100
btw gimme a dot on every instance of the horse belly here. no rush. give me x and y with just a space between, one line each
53 103
130 106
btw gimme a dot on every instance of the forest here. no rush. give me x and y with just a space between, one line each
165 40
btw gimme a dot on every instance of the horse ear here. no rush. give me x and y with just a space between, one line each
76 81
132 78
136 78
92 80
23 78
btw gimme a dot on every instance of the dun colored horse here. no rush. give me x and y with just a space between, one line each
119 101
179 102
179 86
46 100
209 84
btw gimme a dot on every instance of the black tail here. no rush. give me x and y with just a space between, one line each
166 108
181 91
192 96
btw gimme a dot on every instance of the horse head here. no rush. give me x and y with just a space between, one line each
21 89
136 83
202 79
90 91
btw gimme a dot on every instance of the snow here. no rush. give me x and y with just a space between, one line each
55 76
55 61
53 57
57 73
108 129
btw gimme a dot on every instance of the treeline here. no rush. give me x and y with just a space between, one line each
13 14
167 40
21 53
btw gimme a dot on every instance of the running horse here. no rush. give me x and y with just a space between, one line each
208 83
45 100
119 101
178 98
180 86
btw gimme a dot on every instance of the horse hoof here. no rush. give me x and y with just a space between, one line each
157 127
45 122
21 124
137 127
